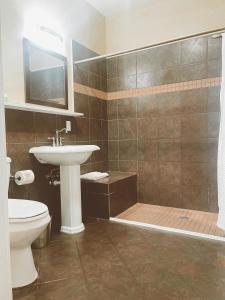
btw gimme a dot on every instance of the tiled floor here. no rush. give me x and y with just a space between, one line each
184 219
114 261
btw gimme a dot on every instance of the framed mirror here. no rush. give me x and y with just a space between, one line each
45 76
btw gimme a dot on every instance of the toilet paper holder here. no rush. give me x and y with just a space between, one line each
21 179
13 178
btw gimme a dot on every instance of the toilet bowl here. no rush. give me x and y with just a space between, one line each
27 220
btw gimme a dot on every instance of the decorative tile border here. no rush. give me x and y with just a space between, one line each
86 90
159 89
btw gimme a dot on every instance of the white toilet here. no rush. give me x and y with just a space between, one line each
27 219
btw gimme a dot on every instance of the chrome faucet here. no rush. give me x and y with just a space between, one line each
57 139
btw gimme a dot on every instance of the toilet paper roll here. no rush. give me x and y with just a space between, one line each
24 177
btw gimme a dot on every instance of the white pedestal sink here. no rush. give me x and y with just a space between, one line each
69 159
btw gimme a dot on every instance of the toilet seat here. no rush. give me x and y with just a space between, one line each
25 210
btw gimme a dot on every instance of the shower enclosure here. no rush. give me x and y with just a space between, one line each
163 115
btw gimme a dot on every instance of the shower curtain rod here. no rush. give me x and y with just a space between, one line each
111 55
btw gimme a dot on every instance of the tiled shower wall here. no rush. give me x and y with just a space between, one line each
163 120
93 75
170 139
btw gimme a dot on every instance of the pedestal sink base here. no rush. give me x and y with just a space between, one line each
72 230
71 199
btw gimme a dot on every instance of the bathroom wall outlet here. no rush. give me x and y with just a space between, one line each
68 126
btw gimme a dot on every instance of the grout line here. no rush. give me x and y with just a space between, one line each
39 284
124 263
82 267
169 229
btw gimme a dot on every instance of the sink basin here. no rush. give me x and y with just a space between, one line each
69 159
64 155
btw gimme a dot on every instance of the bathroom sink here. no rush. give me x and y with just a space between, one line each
63 155
69 159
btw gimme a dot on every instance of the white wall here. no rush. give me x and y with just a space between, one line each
77 19
5 269
162 20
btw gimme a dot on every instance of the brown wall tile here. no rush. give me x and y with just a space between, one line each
113 165
81 130
195 197
170 127
148 172
95 205
112 67
170 173
214 99
194 101
194 174
112 84
126 65
128 129
81 104
170 103
95 130
126 83
214 48
169 150
213 199
194 150
194 125
80 75
170 195
19 127
214 68
147 79
45 126
128 166
95 107
148 106
113 132
192 72
127 108
147 128
213 124
194 51
127 150
148 150
113 147
112 109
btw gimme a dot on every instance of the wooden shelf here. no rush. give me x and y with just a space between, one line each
42 109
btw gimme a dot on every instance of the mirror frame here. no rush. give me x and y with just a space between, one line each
26 44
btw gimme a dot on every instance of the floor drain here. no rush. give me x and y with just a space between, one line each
184 218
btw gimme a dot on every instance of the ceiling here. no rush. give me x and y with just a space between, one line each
111 7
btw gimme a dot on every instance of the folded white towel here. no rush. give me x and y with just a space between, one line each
93 176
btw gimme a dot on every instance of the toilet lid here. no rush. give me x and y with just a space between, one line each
23 209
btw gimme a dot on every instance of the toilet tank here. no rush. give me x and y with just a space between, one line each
8 160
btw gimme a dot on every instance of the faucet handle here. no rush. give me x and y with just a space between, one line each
53 140
61 141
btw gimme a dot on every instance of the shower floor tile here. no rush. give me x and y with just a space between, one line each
177 218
